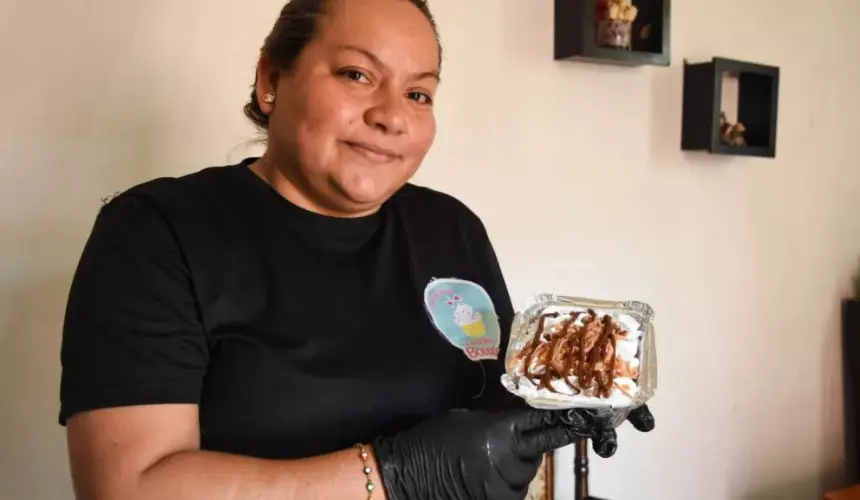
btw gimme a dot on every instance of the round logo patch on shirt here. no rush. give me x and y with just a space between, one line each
463 313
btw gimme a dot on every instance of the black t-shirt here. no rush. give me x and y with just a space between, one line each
295 333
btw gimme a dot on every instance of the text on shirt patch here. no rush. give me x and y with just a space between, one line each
463 312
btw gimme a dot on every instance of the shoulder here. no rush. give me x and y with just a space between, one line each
422 195
151 220
438 206
188 188
167 198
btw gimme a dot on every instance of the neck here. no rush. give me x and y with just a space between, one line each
291 187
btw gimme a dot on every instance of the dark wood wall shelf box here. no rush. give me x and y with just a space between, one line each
758 103
576 34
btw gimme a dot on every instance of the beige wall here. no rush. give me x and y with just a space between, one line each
744 259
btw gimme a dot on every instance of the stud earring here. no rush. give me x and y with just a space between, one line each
269 98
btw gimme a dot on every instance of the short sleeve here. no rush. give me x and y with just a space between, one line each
498 290
484 257
132 333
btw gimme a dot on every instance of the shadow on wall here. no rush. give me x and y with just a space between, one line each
57 167
802 489
834 449
107 106
39 250
33 443
832 477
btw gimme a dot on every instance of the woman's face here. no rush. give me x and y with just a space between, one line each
354 118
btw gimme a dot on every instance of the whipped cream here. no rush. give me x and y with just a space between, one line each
624 390
528 390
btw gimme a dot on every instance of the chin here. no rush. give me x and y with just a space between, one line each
365 200
369 193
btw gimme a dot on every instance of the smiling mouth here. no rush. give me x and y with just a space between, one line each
373 153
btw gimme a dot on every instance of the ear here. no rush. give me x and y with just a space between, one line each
266 83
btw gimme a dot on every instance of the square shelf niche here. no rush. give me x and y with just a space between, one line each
578 30
757 105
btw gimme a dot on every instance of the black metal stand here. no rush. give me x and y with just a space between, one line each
580 472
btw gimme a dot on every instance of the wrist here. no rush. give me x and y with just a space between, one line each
374 488
390 467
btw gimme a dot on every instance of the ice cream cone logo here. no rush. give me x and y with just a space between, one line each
462 311
469 320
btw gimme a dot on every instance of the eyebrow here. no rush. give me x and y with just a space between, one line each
370 55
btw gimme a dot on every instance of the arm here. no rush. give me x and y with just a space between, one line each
496 286
134 356
483 256
152 452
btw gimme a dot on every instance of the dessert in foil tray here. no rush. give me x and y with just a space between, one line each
568 352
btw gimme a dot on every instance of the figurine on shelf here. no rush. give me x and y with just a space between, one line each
616 23
732 133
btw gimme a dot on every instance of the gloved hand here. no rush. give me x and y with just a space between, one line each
605 440
474 455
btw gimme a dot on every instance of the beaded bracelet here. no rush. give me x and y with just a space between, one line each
367 470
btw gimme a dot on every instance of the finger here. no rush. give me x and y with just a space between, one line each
531 419
642 419
573 419
578 423
516 472
605 443
510 476
599 419
533 445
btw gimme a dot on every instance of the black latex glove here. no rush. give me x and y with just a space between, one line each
474 455
605 440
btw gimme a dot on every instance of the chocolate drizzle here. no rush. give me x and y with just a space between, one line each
585 352
533 347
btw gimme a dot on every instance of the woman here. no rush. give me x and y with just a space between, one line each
233 333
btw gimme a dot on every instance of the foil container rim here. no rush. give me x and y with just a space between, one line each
639 311
536 302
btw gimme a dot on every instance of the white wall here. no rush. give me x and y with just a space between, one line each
744 259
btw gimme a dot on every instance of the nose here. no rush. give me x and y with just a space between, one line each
388 114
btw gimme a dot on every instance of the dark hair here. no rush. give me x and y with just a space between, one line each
295 28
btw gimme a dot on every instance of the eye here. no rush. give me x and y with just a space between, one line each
354 75
421 97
